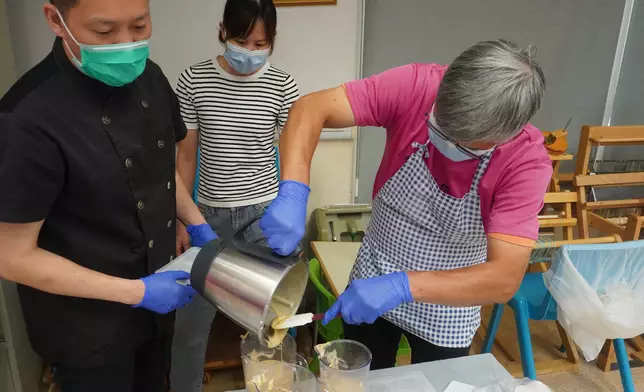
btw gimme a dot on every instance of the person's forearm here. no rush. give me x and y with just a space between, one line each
481 284
308 115
299 140
48 272
187 166
187 211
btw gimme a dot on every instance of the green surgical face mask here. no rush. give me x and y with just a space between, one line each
115 65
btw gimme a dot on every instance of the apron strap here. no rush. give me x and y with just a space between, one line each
480 170
422 148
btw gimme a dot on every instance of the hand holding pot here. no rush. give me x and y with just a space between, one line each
163 294
284 221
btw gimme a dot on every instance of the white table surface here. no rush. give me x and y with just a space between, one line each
336 260
476 370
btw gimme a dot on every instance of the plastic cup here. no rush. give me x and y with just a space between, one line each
282 377
344 365
258 359
322 387
253 348
301 361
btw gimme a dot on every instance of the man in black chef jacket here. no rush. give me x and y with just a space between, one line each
89 198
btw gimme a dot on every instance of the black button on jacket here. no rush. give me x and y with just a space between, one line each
96 163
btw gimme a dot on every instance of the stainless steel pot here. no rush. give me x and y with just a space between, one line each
248 282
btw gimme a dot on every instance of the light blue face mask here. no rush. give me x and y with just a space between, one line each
243 60
452 151
115 65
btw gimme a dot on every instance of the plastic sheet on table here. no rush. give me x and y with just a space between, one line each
599 291
515 385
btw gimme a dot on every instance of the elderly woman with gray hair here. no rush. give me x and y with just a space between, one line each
456 196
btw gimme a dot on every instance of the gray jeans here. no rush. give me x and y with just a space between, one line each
192 325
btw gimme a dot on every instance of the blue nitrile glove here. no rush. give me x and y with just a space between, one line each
200 235
367 299
284 220
163 294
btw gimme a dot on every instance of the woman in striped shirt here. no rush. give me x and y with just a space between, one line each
233 106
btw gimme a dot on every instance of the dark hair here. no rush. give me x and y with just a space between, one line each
64 5
240 17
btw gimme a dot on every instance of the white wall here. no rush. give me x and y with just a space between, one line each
31 36
315 44
318 45
7 65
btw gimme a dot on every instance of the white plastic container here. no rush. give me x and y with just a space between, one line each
406 382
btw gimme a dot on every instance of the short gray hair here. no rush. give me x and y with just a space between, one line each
489 93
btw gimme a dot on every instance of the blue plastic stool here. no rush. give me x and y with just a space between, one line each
531 301
534 301
623 365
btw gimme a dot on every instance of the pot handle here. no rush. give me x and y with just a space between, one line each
260 251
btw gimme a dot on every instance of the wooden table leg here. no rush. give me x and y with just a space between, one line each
638 343
607 359
569 345
554 181
568 230
607 356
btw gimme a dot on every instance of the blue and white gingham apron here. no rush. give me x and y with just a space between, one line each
417 227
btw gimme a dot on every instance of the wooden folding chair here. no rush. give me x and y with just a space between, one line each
628 228
557 178
596 136
562 203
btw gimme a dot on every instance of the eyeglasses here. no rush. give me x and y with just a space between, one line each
440 134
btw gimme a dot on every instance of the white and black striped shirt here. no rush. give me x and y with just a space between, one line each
237 118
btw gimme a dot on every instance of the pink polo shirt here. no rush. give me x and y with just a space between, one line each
514 184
